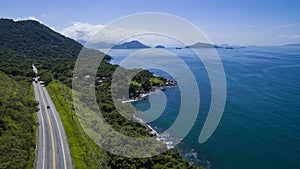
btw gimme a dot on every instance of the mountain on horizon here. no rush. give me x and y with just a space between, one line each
159 46
131 45
208 45
202 45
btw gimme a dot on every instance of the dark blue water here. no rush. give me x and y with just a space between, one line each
260 127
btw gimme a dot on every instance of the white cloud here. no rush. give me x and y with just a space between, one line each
27 18
97 33
93 33
81 31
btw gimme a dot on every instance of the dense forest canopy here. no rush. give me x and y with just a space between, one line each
23 43
32 39
17 123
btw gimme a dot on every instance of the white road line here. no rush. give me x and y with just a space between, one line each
50 125
62 143
43 126
44 140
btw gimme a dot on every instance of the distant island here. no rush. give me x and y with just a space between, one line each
105 45
135 44
208 45
159 46
131 45
202 45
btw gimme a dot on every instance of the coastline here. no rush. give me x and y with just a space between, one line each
165 137
142 96
154 133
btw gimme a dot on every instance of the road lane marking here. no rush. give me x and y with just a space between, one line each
43 128
49 121
44 140
62 144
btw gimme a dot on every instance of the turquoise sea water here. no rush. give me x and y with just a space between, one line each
260 126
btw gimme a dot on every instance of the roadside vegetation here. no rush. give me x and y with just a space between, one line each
87 154
28 42
17 124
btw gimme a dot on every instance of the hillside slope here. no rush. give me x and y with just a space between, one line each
36 40
17 124
23 43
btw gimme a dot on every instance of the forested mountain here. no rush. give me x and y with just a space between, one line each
36 40
24 43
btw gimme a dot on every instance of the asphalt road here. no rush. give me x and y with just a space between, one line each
52 145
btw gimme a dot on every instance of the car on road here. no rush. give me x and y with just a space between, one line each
48 107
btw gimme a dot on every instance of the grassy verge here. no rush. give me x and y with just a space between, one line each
85 153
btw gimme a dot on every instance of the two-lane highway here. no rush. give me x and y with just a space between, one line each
52 145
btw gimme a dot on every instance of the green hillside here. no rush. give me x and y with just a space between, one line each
24 43
33 39
17 124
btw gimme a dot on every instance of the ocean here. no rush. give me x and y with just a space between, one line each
260 126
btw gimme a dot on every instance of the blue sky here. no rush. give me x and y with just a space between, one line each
241 22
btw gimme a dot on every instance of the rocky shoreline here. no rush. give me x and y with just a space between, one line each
142 95
149 128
